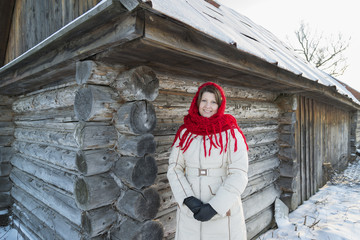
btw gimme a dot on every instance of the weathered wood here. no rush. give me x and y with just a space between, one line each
137 117
95 191
5 200
139 83
5 184
93 72
57 115
91 162
95 103
48 216
167 200
260 181
58 156
136 145
260 200
6 140
258 167
5 154
98 221
90 136
130 229
259 222
263 151
57 98
5 169
6 128
48 194
6 100
29 220
140 205
57 177
137 172
168 221
6 114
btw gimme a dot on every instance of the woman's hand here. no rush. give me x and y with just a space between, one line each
193 204
205 213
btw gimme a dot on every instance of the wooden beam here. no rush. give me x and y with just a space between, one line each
106 25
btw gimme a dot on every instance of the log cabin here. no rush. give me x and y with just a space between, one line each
92 93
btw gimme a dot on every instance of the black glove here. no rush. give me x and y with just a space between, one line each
206 213
193 204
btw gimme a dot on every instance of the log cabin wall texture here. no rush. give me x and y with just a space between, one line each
257 115
33 22
6 139
79 171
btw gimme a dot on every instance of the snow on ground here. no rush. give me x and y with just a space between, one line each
333 213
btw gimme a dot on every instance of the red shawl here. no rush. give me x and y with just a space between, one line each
197 125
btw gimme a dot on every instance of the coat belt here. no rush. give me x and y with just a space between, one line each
210 172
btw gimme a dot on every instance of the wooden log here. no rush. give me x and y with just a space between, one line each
6 114
258 152
258 167
260 200
6 128
5 200
5 214
260 181
48 216
95 136
136 146
23 229
58 156
56 115
139 83
261 138
6 154
48 173
95 191
130 229
260 222
95 103
6 141
167 200
93 72
33 223
137 117
6 100
57 98
137 172
98 221
140 205
168 222
5 184
92 162
51 196
5 169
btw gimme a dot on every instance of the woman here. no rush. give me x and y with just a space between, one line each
208 170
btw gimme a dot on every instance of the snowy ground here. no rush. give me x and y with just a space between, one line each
333 213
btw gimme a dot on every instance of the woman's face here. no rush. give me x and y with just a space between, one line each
208 106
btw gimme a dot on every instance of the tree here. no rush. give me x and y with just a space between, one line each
325 53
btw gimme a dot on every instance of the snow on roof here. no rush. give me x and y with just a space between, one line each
231 27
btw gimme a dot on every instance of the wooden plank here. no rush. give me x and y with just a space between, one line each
302 150
260 222
6 13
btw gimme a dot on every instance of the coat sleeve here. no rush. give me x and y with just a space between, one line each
237 178
176 175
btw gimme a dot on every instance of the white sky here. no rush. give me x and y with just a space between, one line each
283 17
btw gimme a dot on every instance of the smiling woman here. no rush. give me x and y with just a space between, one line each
209 101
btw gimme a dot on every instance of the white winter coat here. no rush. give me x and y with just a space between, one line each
221 187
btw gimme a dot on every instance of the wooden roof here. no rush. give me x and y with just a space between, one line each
133 33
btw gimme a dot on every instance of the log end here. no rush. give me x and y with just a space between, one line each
83 71
81 193
145 172
146 145
83 104
143 117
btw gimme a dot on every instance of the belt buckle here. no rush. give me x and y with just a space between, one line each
202 172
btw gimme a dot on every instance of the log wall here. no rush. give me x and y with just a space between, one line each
315 140
32 22
257 115
6 138
83 164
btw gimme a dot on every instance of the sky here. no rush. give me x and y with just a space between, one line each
283 17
